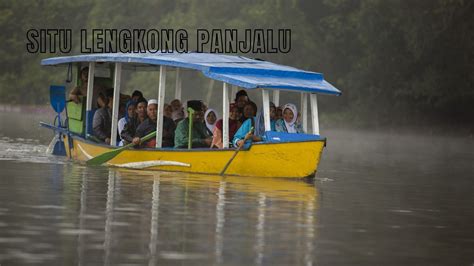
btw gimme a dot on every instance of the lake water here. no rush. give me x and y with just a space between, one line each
379 198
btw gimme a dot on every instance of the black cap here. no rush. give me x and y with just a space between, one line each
109 92
196 105
137 93
241 93
142 100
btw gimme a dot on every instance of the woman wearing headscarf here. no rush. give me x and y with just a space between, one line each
129 130
129 113
210 117
289 122
234 124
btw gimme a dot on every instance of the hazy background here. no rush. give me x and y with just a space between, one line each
398 63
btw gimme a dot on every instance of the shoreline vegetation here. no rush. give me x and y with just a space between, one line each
397 62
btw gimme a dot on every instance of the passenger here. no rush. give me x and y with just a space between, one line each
136 95
210 117
289 122
279 113
102 121
250 110
81 90
129 131
149 125
124 98
260 124
204 107
244 130
102 100
200 135
234 124
241 98
178 112
129 114
167 111
122 103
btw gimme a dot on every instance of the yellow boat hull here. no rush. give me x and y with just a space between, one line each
289 159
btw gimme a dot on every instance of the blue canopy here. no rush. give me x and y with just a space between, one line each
236 70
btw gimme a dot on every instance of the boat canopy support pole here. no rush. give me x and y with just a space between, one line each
304 110
225 115
210 91
276 97
314 113
161 105
177 92
266 109
115 107
90 92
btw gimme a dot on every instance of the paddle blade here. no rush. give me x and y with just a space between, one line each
57 97
107 156
104 157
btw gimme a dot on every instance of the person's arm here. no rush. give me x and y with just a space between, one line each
169 127
241 132
74 95
201 142
217 138
299 128
181 135
142 130
121 126
97 124
128 132
279 126
203 139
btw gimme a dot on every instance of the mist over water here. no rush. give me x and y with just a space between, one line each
379 198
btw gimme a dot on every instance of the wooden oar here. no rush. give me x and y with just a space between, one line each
107 156
249 135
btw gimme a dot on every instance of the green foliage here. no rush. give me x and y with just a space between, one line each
395 60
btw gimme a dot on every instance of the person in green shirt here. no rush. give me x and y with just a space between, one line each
200 136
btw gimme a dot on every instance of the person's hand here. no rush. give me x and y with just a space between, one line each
240 143
208 141
107 140
249 135
75 99
256 138
136 141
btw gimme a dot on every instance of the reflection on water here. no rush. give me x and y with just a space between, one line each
378 199
99 216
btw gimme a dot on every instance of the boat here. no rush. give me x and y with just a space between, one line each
279 155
